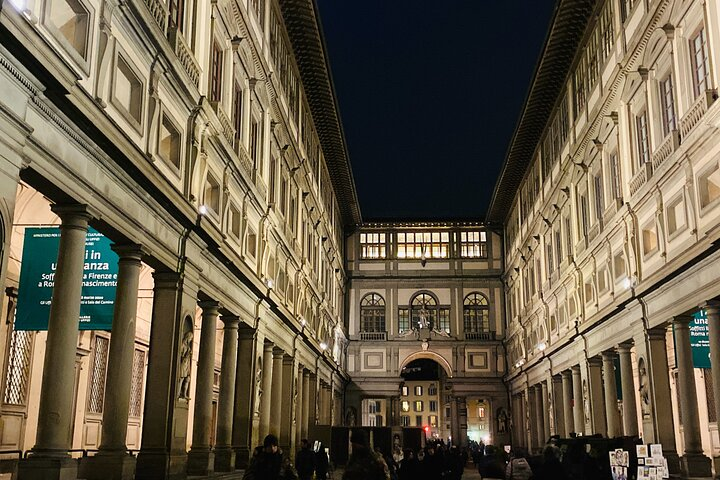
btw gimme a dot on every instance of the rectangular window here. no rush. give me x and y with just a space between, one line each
599 197
418 406
676 215
372 245
423 244
699 61
71 20
481 413
258 7
136 386
649 239
211 197
643 142
418 390
418 420
169 145
615 176
667 105
238 112
568 236
433 405
251 245
18 367
405 406
432 389
216 72
558 247
473 245
96 396
584 217
177 13
709 186
235 221
619 265
403 320
128 91
432 419
405 391
405 420
444 319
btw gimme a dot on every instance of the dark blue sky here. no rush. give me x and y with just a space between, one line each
430 93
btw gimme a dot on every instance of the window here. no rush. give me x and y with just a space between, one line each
405 391
602 280
258 7
18 367
251 245
127 92
136 386
423 244
643 144
588 291
568 235
549 254
405 406
405 420
599 197
709 186
372 245
216 72
584 220
558 246
432 419
177 14
418 390
481 412
169 144
476 313
626 7
432 389
418 406
418 420
71 20
211 197
676 215
96 396
699 62
255 142
667 105
615 175
649 239
403 319
372 313
237 112
234 221
444 320
619 265
433 405
473 245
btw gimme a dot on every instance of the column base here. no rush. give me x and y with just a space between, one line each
242 457
200 461
696 465
673 460
224 459
160 465
108 466
39 467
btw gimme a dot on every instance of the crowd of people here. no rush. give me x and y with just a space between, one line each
270 463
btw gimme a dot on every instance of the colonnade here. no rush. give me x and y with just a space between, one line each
583 399
263 388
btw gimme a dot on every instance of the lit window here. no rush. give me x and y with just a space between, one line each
372 245
476 314
211 198
699 60
169 145
127 91
372 313
418 406
667 105
403 319
473 245
405 391
72 21
423 244
405 406
481 412
433 421
418 390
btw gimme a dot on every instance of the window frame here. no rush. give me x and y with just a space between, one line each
373 303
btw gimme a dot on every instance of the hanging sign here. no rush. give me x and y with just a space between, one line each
699 340
37 278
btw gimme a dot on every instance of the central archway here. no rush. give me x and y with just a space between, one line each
436 357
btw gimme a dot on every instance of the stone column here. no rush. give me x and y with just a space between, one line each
277 392
545 411
112 460
712 309
266 399
558 406
629 406
49 458
663 425
454 421
248 380
287 404
693 462
567 401
595 388
312 414
165 415
306 404
201 458
299 405
539 416
578 407
224 453
614 428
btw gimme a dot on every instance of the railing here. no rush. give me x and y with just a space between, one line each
640 178
374 336
696 111
479 335
184 54
228 130
245 161
666 148
159 12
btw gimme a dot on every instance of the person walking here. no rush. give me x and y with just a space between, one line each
305 461
269 463
364 464
321 462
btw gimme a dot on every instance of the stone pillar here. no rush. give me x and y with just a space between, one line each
567 401
629 406
539 416
306 403
712 310
289 394
49 458
201 458
248 380
299 406
595 388
663 425
224 453
578 407
454 421
546 410
614 428
558 406
277 392
112 460
693 463
531 418
266 399
312 414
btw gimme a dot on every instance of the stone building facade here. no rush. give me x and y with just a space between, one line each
609 197
202 139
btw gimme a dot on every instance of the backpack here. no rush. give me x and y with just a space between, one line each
519 469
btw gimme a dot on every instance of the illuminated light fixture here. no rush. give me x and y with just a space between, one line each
203 209
269 283
542 346
303 322
323 346
629 282
520 363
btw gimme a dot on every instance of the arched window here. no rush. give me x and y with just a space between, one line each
476 314
372 313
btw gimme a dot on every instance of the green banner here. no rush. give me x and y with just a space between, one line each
700 340
37 278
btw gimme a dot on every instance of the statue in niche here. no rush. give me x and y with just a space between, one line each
186 347
586 402
502 421
350 417
644 388
258 384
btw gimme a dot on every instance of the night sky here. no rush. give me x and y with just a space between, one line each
430 93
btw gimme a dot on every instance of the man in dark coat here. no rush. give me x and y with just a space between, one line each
305 461
364 464
269 463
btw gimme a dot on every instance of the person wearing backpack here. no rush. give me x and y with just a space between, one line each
518 467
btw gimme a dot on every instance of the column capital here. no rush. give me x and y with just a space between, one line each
594 362
75 215
575 369
268 347
166 280
128 252
711 306
210 307
657 333
230 322
608 355
278 353
566 373
246 333
624 348
306 374
288 360
682 321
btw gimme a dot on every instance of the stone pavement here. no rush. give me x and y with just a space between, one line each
471 473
